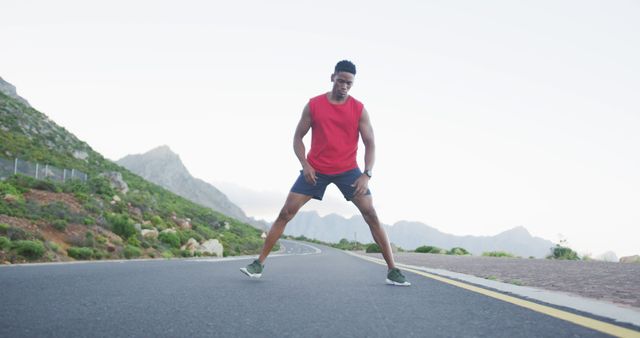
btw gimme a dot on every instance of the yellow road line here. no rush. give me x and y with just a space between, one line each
587 322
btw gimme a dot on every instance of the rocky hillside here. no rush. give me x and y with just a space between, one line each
164 167
114 214
409 235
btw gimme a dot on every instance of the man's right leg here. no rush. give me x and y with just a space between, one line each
291 206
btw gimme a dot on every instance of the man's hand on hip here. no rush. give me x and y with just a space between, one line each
309 174
361 185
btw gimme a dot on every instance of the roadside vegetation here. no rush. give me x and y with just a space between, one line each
498 254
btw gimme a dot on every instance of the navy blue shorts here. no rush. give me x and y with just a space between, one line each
343 181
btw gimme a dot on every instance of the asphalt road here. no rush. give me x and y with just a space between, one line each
301 294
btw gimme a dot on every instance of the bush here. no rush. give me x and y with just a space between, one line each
80 253
121 225
170 238
204 231
5 243
497 254
29 249
7 189
458 251
133 240
53 246
186 234
429 249
17 234
373 248
59 224
132 252
563 252
88 220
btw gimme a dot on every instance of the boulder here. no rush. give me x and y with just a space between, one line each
630 259
192 245
116 181
150 233
138 227
212 247
80 155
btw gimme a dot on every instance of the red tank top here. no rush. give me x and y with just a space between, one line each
334 134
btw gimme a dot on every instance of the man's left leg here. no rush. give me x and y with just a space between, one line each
364 203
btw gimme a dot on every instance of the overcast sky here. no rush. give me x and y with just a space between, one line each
487 115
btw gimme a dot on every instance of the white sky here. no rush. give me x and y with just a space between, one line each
488 115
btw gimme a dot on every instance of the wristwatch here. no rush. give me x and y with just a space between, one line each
367 172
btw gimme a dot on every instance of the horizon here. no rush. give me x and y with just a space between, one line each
487 116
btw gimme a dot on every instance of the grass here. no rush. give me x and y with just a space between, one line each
497 254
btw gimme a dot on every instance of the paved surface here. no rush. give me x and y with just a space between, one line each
330 294
613 282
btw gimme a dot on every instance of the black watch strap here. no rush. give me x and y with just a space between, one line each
367 172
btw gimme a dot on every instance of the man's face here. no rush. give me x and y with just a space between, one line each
342 82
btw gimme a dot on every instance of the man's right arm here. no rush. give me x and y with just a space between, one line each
298 146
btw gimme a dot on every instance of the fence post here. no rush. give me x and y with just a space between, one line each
72 172
64 174
15 166
37 170
46 170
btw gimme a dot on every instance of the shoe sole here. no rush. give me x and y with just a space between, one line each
252 275
390 282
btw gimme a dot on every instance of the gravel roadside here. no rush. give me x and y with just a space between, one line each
612 282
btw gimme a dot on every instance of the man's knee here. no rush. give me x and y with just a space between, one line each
287 214
370 216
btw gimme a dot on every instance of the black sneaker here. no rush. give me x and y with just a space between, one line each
395 277
253 270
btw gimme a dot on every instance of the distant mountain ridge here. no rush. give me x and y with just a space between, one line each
165 168
409 235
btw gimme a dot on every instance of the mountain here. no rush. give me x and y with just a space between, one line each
410 235
164 167
10 90
109 213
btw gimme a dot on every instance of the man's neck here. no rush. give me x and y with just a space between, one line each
333 99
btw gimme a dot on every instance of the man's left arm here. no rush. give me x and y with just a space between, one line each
366 132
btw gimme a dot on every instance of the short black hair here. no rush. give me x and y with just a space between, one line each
345 66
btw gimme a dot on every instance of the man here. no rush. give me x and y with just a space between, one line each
337 120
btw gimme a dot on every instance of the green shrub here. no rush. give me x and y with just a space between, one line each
101 239
133 240
497 254
60 224
373 248
204 231
458 251
53 246
122 225
80 253
563 252
88 220
167 254
4 228
429 249
100 254
29 249
186 234
7 189
170 238
5 243
156 220
18 234
132 252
